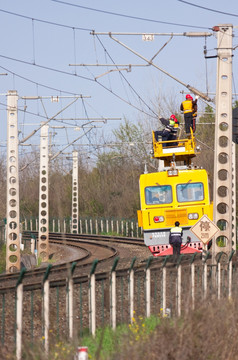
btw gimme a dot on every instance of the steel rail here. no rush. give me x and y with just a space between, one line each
60 269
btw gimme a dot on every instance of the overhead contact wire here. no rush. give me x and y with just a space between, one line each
43 21
76 75
36 83
139 97
129 16
208 9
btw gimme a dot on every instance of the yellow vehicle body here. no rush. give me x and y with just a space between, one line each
174 194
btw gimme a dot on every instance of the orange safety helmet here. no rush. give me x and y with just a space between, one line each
189 97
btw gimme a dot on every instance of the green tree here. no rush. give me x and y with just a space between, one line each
132 143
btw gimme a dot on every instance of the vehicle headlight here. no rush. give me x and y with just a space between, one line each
193 216
172 172
158 219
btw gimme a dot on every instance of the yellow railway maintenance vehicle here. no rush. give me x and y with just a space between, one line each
177 192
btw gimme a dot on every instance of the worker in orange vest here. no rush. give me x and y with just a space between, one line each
189 108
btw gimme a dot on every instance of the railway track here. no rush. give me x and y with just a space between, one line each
56 237
89 248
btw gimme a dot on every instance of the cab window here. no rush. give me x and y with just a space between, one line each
158 195
190 192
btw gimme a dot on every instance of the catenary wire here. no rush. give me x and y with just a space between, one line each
208 9
33 41
74 42
42 116
80 76
130 86
44 21
86 113
36 83
120 73
130 16
44 67
73 28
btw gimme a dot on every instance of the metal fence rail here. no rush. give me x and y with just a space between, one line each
79 305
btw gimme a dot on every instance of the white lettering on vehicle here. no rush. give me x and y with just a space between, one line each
159 234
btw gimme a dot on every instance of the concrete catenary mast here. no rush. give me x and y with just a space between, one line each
224 170
43 241
13 217
75 193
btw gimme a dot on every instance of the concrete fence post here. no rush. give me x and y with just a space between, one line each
91 226
230 275
131 289
46 308
19 311
148 286
179 285
32 246
193 281
219 275
132 229
113 293
205 275
70 301
92 299
127 228
164 281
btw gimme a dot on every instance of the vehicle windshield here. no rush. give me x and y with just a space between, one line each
190 192
158 195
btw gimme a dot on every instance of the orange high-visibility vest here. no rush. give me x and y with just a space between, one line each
187 106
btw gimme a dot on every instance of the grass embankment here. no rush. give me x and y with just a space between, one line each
208 333
104 345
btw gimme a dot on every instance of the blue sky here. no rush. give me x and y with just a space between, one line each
41 38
